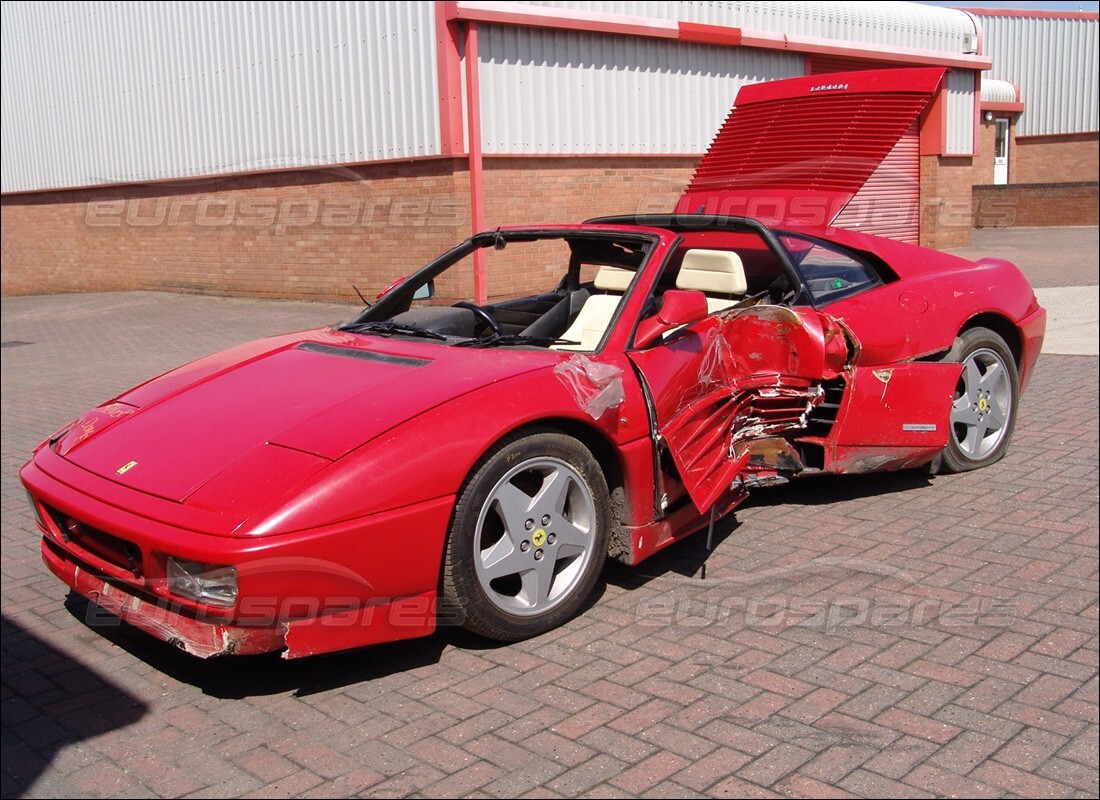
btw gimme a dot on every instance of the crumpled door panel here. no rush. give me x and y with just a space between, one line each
744 374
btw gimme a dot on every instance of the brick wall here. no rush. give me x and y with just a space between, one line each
555 189
313 233
946 216
303 234
1068 158
1036 205
1055 159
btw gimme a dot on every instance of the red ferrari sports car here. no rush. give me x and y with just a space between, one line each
478 463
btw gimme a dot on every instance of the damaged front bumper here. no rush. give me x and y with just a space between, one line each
162 619
374 623
354 583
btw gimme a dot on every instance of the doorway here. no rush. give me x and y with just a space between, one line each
1000 152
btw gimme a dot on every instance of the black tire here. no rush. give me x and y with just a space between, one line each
983 412
528 537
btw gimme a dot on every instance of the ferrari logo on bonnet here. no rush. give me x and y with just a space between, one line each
129 465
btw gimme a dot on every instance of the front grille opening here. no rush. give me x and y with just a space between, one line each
98 544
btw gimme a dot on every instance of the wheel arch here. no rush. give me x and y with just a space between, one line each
610 460
1003 327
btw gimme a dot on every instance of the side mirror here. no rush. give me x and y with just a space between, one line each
678 307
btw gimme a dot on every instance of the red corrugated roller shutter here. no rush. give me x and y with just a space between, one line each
826 142
889 202
839 148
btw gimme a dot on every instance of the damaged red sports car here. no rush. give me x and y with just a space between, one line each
350 485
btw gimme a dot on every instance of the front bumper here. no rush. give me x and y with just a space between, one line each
353 583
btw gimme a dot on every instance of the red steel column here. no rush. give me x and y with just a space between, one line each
473 133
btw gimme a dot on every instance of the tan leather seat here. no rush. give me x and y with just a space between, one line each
714 272
598 310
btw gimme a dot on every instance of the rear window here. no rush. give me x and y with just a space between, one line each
829 272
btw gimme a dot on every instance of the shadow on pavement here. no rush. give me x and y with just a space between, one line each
688 556
51 701
236 677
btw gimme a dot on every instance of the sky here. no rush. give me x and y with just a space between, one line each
1072 5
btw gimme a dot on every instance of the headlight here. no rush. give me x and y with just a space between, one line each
207 583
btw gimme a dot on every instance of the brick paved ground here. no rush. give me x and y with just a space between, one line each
863 636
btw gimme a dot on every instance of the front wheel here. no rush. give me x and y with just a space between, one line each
529 537
983 411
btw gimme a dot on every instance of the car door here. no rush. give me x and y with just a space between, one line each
741 374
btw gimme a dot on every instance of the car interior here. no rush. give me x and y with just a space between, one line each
733 268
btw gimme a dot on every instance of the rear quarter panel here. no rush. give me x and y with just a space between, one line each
936 294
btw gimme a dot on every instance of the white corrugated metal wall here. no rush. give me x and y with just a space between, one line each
912 25
1054 62
548 91
960 112
900 25
99 93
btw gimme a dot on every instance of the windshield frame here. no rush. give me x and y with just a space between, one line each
400 297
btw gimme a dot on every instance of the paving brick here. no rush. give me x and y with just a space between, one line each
589 719
869 784
669 789
815 705
965 752
899 757
729 734
798 785
759 708
930 778
916 725
704 772
870 702
1071 773
1046 691
648 772
734 786
857 730
1030 749
777 763
676 740
1061 643
1019 782
348 784
583 777
1038 717
292 785
465 781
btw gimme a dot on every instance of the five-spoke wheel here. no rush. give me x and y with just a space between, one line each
983 411
529 537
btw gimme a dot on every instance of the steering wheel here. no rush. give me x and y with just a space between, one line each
483 314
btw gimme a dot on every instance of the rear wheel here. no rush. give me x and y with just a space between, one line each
529 537
983 411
